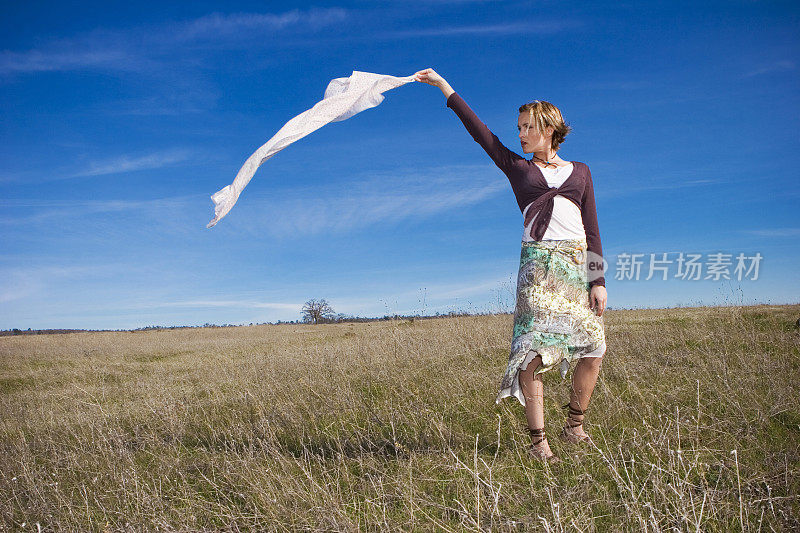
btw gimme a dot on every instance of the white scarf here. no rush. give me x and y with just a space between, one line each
343 98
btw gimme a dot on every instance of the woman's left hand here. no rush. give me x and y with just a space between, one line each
597 299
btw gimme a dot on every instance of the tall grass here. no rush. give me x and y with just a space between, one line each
393 426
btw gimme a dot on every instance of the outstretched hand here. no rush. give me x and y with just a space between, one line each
429 76
597 299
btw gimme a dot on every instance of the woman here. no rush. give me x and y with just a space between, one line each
561 293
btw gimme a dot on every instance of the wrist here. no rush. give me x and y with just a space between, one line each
446 89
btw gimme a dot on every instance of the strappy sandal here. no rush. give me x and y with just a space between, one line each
533 451
573 421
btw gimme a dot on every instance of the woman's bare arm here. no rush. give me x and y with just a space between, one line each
431 77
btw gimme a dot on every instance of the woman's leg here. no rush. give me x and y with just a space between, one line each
584 378
533 390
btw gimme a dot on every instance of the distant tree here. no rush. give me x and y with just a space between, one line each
316 311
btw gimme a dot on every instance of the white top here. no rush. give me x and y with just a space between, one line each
566 221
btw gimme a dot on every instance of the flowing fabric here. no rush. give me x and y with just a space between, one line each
552 317
344 97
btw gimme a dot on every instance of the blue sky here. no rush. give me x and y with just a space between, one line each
119 120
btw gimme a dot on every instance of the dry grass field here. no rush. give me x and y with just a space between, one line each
392 426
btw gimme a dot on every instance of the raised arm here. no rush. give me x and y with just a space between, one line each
502 156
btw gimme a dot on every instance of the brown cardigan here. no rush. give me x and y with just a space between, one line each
530 185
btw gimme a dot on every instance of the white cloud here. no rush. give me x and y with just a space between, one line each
777 66
127 163
368 201
44 60
340 208
247 304
544 27
21 283
119 164
618 84
219 26
613 189
139 49
776 232
48 210
147 48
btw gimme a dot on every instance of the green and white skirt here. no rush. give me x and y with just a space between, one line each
552 317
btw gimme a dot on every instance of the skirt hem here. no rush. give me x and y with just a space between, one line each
515 389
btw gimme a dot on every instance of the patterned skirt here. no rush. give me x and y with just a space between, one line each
552 317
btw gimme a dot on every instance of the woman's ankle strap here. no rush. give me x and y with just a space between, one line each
573 410
536 433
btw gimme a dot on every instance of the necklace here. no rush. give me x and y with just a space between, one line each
545 162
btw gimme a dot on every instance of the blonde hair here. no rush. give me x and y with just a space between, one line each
542 114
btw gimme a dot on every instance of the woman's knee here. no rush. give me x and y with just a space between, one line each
594 362
532 365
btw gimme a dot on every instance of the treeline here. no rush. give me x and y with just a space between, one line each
339 318
29 331
349 318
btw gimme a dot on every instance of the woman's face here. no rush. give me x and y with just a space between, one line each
530 139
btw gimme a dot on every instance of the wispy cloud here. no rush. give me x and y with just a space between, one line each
120 164
348 206
179 104
777 66
368 201
51 59
437 295
143 48
20 283
127 163
19 287
618 85
775 232
149 48
614 190
44 211
237 26
536 27
244 304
